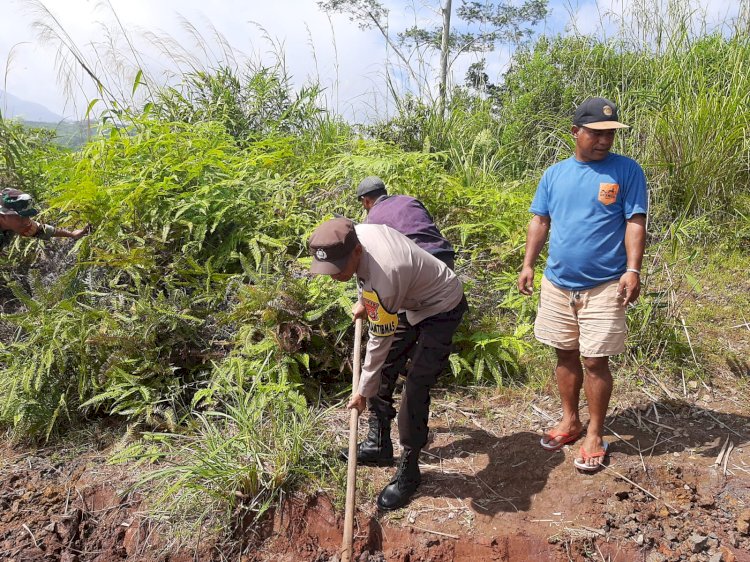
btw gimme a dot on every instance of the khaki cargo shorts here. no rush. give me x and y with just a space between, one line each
590 320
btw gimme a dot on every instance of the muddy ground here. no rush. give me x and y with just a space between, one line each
489 493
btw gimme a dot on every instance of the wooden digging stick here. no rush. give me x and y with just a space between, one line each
351 473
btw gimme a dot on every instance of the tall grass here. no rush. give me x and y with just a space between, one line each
686 104
238 459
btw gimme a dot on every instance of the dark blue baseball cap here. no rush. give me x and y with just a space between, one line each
597 113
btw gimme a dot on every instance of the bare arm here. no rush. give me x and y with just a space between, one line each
30 228
18 224
635 244
74 234
536 237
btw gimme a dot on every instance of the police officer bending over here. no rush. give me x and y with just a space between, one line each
414 304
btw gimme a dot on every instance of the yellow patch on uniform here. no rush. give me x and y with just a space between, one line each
382 322
608 193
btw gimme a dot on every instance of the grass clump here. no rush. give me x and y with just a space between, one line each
237 460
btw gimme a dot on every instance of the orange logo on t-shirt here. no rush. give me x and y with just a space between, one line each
382 322
372 309
608 193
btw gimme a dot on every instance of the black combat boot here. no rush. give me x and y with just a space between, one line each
377 448
404 484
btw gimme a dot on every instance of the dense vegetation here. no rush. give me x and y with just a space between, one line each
188 312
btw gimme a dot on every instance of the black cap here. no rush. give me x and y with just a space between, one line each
597 113
369 184
331 244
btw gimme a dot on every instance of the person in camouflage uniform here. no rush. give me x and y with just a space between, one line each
16 210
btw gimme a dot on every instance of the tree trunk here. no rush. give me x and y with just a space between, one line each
444 48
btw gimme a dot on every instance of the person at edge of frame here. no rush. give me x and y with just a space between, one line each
16 210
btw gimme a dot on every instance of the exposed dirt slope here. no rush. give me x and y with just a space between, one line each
489 493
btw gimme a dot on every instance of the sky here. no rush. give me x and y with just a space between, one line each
347 61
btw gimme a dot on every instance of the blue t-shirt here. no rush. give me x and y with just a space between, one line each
588 204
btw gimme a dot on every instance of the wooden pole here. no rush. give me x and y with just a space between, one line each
351 474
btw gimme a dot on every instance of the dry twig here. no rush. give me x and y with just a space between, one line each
435 532
621 438
33 538
722 424
656 442
641 488
726 456
718 460
665 426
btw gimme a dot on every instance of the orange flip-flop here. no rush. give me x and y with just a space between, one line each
552 435
580 462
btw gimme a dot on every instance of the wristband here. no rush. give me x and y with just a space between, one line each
631 270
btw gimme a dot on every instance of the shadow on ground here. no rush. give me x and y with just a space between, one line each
503 474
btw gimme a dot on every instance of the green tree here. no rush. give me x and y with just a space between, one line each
482 25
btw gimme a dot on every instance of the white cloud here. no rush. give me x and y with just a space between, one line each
345 59
641 18
349 62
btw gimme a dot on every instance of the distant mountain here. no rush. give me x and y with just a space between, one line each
14 107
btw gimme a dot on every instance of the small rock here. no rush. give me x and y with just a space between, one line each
698 542
732 539
656 557
619 510
727 555
717 557
639 540
631 524
743 522
706 501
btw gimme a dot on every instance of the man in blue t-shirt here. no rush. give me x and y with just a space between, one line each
593 206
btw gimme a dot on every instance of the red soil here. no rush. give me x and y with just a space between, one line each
489 493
